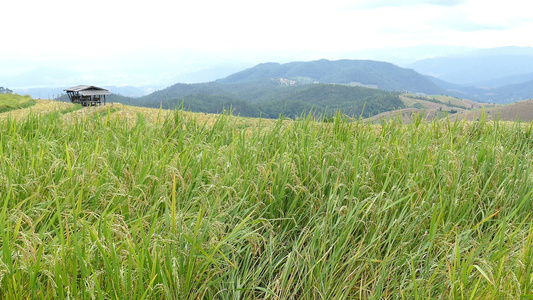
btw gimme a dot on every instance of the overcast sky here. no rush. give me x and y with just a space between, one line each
36 29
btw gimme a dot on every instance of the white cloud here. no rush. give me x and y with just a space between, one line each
505 14
375 4
104 27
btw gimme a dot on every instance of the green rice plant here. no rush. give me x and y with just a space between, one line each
298 209
72 108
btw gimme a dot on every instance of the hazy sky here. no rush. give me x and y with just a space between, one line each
157 41
102 27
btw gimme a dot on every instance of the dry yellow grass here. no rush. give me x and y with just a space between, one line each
406 115
154 115
447 102
42 107
522 110
126 113
518 111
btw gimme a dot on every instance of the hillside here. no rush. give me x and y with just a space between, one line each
272 89
458 109
517 111
269 99
129 115
11 101
429 108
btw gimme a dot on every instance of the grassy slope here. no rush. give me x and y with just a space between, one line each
93 206
439 106
517 111
10 102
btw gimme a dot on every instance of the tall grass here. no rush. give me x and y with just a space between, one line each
72 108
303 209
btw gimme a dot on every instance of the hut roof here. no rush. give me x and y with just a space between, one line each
88 90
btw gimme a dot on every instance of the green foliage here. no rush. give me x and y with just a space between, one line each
327 99
447 103
418 105
4 90
70 109
267 100
10 102
306 210
271 89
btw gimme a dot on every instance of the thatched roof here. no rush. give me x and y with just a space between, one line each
88 90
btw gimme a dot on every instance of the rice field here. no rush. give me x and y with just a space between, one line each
103 207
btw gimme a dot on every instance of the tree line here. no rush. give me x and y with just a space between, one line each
4 90
273 102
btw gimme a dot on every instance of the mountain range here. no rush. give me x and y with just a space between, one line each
489 68
272 89
500 75
268 87
381 75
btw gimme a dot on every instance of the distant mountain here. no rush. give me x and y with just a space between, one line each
500 75
382 75
41 93
322 86
502 94
132 91
511 93
403 56
42 77
507 80
475 67
210 73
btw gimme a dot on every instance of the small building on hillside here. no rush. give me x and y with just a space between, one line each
87 95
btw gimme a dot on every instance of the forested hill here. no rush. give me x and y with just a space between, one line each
287 101
382 75
322 86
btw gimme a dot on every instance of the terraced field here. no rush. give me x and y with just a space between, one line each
120 202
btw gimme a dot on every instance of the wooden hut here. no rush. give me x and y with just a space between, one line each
87 95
